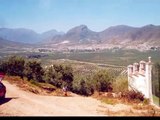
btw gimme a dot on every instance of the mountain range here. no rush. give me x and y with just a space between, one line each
119 35
116 35
26 35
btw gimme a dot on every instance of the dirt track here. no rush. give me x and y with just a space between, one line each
22 103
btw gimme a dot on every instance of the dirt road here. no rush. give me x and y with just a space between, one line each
23 103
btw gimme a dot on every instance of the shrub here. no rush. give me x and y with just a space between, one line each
83 85
103 81
120 84
60 75
14 66
34 71
133 95
99 81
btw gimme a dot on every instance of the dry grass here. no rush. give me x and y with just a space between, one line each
35 87
124 107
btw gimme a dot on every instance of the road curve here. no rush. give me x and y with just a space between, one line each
22 103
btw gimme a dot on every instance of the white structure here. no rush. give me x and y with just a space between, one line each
139 78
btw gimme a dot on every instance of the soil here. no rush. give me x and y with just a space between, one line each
19 102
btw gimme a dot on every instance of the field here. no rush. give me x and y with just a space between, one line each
116 60
113 57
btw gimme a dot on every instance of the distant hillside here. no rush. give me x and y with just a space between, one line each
81 34
19 35
26 35
49 35
118 34
126 34
148 35
121 34
6 43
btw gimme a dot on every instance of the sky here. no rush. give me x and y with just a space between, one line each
62 15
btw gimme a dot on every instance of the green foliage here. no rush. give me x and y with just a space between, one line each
33 70
67 73
49 75
14 65
120 57
103 80
120 84
3 66
82 81
83 85
60 75
100 81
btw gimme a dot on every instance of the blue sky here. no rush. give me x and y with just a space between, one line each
62 15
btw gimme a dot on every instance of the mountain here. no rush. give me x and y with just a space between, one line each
26 35
123 35
50 34
11 44
148 33
19 35
118 35
80 34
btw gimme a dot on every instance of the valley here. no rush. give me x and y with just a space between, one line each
119 57
79 58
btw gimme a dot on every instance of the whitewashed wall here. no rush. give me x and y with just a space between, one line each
139 77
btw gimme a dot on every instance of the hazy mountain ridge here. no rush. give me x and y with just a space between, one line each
12 44
19 35
120 34
26 35
49 35
81 35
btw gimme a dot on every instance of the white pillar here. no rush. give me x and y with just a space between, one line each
130 69
142 67
135 68
148 79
